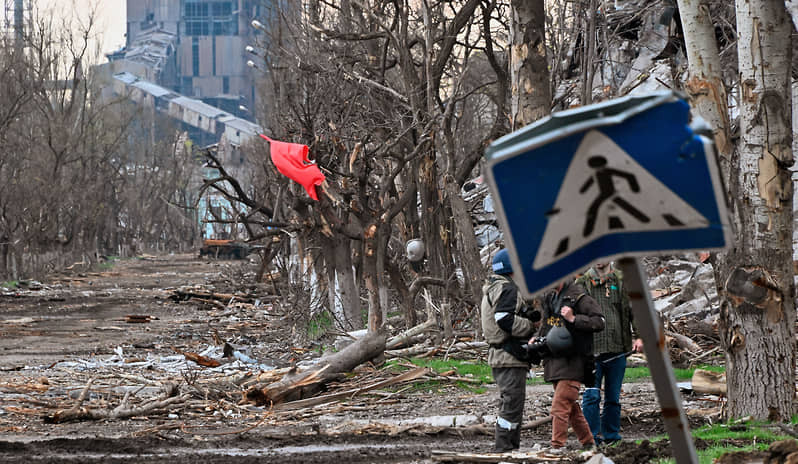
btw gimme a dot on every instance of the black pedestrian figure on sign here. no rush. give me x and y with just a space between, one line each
606 190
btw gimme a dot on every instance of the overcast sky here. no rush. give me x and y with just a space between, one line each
111 18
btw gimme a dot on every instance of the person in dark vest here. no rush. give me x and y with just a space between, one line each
610 347
507 323
570 317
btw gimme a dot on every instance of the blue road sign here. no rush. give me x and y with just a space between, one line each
626 177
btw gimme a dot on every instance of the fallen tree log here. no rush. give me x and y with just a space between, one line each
708 382
405 337
184 294
684 342
308 402
421 349
296 384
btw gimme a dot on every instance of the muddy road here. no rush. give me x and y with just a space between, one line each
101 344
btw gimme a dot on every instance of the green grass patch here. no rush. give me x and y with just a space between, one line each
711 454
319 325
751 431
10 284
471 369
537 379
730 437
479 372
638 374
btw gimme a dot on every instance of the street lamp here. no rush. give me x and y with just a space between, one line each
258 25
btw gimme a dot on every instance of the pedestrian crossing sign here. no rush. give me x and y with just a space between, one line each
626 177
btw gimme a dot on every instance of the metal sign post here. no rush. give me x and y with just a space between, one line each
659 362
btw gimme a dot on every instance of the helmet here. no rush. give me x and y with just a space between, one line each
415 250
501 263
559 340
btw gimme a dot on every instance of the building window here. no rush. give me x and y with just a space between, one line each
188 85
210 18
195 56
226 84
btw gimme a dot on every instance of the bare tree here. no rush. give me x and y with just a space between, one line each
381 92
531 84
69 189
757 291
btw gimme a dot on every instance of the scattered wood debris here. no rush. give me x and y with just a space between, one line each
139 318
78 412
198 358
539 455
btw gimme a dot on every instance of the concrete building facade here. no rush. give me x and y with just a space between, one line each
194 47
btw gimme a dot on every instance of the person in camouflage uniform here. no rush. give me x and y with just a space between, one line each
610 347
507 323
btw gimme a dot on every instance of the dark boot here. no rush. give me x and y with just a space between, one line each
515 437
504 440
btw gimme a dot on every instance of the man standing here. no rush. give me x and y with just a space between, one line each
570 319
507 323
611 346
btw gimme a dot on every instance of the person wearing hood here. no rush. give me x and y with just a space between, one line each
507 323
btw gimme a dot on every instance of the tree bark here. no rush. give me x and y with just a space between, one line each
347 289
705 82
589 54
467 247
434 226
792 8
375 319
757 320
529 69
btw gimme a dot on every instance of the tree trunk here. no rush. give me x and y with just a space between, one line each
792 8
383 236
347 289
529 70
375 319
467 247
705 84
589 54
757 320
433 225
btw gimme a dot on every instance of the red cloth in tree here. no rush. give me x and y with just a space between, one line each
291 159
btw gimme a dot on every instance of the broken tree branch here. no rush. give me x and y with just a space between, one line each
297 385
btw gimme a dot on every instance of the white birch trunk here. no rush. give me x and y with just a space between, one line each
757 323
705 84
792 9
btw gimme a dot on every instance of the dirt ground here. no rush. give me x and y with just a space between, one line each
73 329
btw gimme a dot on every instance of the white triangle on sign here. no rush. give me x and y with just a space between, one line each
605 191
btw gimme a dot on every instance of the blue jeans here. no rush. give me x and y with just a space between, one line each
607 425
